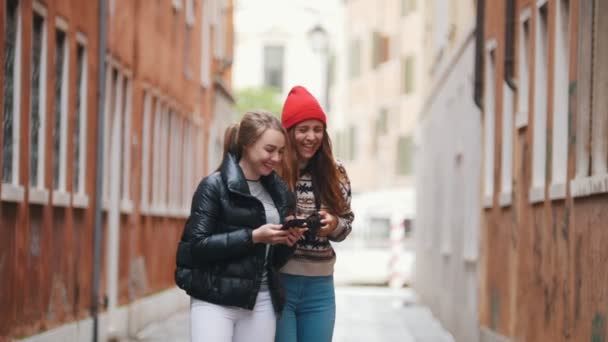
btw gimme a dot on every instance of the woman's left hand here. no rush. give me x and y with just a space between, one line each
328 223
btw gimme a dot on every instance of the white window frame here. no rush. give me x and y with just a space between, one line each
173 161
561 83
106 133
506 172
145 145
206 44
539 133
61 197
591 180
164 166
523 78
489 122
38 193
199 152
13 191
126 203
80 199
187 168
156 156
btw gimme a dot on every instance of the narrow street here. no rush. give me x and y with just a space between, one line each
364 314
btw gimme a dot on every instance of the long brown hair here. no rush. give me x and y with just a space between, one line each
324 172
249 130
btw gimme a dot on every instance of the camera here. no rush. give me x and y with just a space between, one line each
313 223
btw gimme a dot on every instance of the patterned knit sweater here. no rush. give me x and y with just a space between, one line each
316 257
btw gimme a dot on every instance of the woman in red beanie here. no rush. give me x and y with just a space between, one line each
322 190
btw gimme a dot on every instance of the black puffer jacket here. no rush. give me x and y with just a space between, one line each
216 259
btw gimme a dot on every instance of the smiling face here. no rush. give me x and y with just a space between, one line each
264 155
308 136
308 139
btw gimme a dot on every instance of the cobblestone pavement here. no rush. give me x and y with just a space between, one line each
363 314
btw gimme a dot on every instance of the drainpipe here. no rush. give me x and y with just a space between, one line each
479 54
97 238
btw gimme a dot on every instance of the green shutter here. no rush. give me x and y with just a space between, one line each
407 66
405 156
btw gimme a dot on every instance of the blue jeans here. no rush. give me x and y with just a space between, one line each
310 312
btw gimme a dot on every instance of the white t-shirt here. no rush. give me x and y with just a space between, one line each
258 191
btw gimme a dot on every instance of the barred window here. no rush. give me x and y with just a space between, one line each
60 108
37 112
11 81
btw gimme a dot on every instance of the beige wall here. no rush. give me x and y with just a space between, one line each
380 88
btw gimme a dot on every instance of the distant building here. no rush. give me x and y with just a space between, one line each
378 92
167 90
278 50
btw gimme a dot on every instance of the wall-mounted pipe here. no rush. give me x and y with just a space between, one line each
97 235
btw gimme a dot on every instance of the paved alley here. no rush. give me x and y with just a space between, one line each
364 314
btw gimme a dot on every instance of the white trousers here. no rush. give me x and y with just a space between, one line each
216 323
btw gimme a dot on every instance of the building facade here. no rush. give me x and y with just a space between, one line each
381 93
544 170
448 159
167 88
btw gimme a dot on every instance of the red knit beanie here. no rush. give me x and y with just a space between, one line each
299 106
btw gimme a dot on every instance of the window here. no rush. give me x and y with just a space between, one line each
592 101
489 126
273 66
60 196
164 158
175 160
355 59
80 126
38 194
205 45
117 142
126 204
523 82
111 75
187 176
407 6
405 155
407 67
539 148
506 173
145 154
157 153
11 190
380 49
559 155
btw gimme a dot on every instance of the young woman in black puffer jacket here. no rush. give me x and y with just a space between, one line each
232 245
